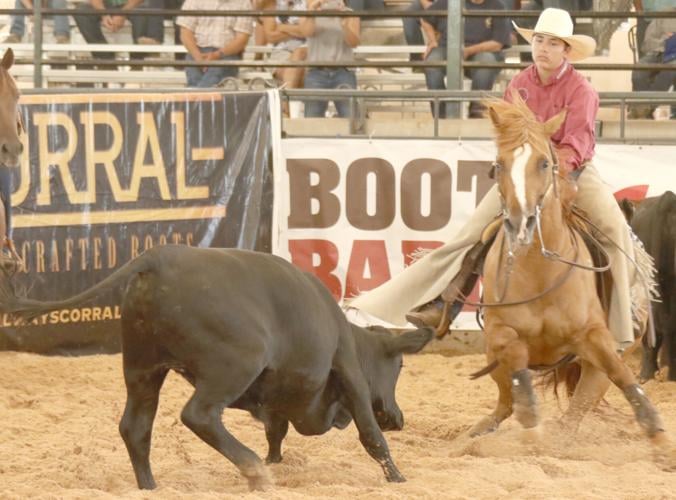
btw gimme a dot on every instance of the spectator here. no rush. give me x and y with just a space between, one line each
221 38
18 27
289 44
147 30
366 4
485 37
170 5
659 46
329 39
643 22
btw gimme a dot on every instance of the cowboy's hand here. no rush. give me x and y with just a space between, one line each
431 45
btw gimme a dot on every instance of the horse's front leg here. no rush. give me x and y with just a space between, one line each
598 349
503 409
511 352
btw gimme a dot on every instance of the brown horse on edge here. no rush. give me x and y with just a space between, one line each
11 127
540 309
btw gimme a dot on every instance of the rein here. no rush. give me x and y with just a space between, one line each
544 251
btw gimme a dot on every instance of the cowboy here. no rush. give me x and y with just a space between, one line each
549 85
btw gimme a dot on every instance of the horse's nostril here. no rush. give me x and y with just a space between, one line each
20 147
4 148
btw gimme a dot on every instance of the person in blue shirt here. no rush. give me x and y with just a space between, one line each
484 40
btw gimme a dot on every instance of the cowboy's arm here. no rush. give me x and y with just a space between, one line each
578 139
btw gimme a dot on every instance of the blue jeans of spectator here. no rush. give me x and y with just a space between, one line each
366 4
482 78
212 76
412 30
328 78
141 26
61 26
654 81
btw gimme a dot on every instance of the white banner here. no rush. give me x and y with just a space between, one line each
353 211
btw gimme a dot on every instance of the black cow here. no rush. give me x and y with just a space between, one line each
654 222
248 330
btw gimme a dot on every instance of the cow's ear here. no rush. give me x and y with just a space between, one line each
410 342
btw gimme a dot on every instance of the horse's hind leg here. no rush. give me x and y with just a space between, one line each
591 387
143 391
598 349
502 410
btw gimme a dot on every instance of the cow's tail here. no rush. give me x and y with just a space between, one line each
27 309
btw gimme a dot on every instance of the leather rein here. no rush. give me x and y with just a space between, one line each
544 251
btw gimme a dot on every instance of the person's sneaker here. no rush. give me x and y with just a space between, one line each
62 38
146 40
12 38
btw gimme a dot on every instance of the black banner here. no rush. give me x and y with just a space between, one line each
107 176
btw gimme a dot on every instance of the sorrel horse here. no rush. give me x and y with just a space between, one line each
11 127
540 294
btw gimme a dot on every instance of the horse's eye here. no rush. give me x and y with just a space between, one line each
544 164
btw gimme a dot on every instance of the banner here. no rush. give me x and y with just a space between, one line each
355 212
107 176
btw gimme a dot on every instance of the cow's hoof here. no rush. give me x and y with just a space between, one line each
259 478
392 474
273 459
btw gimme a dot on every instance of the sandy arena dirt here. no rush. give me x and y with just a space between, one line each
59 439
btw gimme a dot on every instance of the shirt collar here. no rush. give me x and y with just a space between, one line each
563 69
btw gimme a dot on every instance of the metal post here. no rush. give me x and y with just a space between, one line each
454 48
37 44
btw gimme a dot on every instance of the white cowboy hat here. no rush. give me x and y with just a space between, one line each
557 23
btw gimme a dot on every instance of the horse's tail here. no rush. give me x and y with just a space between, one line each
27 309
567 375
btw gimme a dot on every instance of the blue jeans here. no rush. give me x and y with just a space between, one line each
328 78
148 26
212 76
654 81
61 27
412 30
482 78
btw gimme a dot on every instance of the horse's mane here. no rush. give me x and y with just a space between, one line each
517 125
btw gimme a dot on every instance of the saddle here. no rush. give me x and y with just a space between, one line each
471 269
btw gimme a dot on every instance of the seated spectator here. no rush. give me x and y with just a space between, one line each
222 38
643 22
329 39
288 42
659 46
147 30
485 37
18 27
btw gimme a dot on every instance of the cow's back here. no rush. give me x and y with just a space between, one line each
194 297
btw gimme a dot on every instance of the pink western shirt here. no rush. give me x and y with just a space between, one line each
568 90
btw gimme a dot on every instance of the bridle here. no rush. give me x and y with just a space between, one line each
496 169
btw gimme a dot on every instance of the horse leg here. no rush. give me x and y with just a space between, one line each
591 387
502 410
649 365
598 349
512 353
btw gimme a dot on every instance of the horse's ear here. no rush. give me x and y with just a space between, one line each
493 115
7 59
554 123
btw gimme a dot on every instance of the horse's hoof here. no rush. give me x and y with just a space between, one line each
664 451
532 435
485 426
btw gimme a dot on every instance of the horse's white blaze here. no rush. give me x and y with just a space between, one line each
521 157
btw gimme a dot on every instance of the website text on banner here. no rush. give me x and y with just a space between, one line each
355 212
